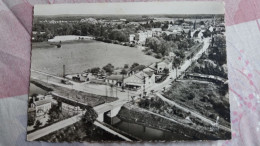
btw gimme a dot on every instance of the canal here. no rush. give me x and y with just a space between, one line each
36 90
144 132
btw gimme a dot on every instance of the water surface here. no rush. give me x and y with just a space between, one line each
80 56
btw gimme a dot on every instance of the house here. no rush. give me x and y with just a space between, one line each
175 28
140 80
165 64
136 70
150 80
35 32
170 32
42 106
160 19
156 31
115 80
131 37
197 35
186 30
123 20
142 36
171 55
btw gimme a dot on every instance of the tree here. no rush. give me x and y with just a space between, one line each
153 43
54 113
123 72
144 103
134 65
89 117
165 26
95 70
109 68
166 71
119 26
218 51
37 124
180 54
159 55
31 119
206 33
164 36
190 95
126 66
176 64
119 35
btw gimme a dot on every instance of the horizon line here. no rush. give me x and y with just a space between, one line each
132 8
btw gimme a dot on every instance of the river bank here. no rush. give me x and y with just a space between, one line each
181 131
69 38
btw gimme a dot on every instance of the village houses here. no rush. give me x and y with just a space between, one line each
42 105
115 80
140 80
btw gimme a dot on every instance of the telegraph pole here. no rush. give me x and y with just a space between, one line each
106 91
123 83
63 74
111 90
116 91
144 86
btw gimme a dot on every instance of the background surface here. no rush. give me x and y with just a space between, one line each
243 50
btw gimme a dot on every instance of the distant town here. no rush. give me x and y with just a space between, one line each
128 78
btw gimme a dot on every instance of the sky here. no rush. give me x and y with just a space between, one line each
133 8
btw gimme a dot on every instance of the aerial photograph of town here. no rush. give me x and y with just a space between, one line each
122 77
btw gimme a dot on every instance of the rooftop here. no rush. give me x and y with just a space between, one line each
149 73
41 102
115 77
138 68
136 78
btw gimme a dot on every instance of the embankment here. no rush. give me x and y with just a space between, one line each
133 113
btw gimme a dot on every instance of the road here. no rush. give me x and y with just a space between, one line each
195 114
54 127
183 67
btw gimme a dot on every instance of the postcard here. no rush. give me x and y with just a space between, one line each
135 71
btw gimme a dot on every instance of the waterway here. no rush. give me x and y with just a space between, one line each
79 56
146 133
36 90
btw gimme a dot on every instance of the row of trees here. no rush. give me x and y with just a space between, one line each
214 63
218 51
109 69
112 32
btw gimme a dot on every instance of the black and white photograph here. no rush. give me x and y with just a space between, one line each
134 71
